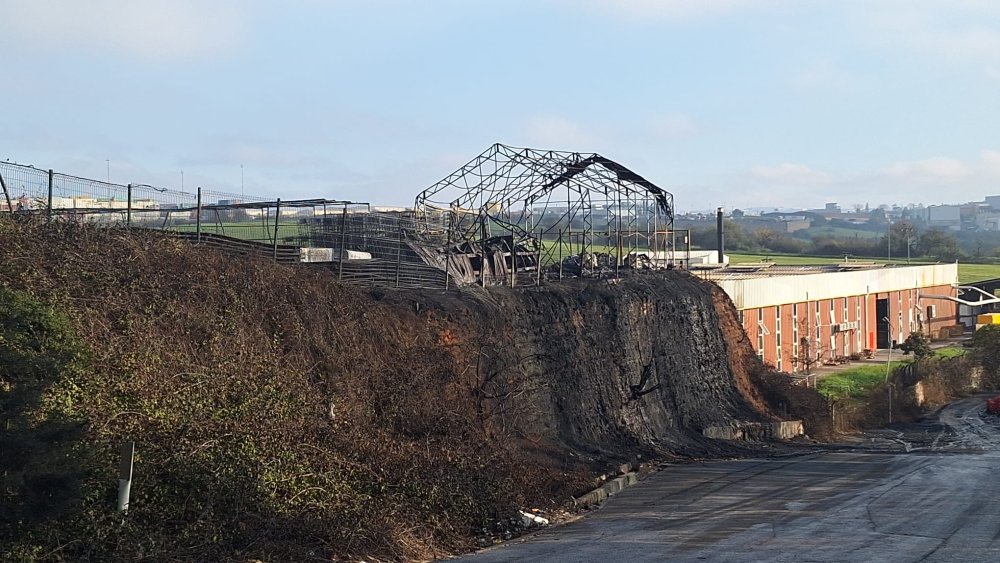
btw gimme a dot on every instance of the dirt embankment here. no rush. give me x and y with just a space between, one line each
767 390
917 389
278 415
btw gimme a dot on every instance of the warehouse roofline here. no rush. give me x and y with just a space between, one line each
798 284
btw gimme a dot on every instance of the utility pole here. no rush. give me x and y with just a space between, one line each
888 363
888 237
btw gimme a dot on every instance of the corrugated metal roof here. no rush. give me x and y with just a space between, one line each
797 284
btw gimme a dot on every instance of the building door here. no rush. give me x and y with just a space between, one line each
882 334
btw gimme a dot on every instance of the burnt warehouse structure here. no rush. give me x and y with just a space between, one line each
520 215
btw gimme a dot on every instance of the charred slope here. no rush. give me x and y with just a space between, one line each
278 415
608 370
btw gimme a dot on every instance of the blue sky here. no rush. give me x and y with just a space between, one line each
742 103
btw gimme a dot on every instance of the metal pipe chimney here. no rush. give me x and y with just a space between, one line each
720 231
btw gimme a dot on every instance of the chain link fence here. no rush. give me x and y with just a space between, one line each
361 244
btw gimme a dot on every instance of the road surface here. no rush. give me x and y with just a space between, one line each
920 492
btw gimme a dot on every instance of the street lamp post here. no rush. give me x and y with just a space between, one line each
888 361
888 246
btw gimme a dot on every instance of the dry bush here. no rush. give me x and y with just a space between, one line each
277 415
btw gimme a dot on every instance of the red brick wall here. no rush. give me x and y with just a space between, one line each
903 306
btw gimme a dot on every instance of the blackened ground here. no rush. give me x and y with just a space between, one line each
278 415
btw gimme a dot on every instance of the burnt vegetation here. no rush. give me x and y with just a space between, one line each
278 415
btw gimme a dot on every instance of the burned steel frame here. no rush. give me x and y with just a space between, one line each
543 200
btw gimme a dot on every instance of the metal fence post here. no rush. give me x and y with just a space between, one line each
197 219
513 259
128 208
126 454
538 260
343 243
6 194
49 209
447 256
399 254
482 270
560 254
277 219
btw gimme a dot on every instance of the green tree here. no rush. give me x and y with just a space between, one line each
938 244
917 343
706 237
903 236
986 352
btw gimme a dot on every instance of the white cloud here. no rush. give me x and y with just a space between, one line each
958 30
824 74
150 29
788 173
933 170
674 10
559 133
928 181
991 162
672 126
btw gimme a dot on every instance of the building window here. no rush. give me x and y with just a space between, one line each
859 333
760 333
795 335
777 336
899 314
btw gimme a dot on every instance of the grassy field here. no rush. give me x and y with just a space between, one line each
976 272
859 382
854 383
841 232
254 230
950 352
966 272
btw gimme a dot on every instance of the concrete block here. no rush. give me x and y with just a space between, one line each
787 429
315 255
753 431
612 486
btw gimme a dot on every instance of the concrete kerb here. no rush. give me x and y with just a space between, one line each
630 476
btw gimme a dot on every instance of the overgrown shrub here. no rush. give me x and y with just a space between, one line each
986 352
277 415
918 344
42 458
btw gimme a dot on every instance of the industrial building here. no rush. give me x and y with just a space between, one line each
800 316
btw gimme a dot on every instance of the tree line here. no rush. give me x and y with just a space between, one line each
902 239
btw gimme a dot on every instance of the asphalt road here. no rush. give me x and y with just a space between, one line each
919 492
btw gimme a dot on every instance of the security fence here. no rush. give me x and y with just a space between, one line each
361 244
